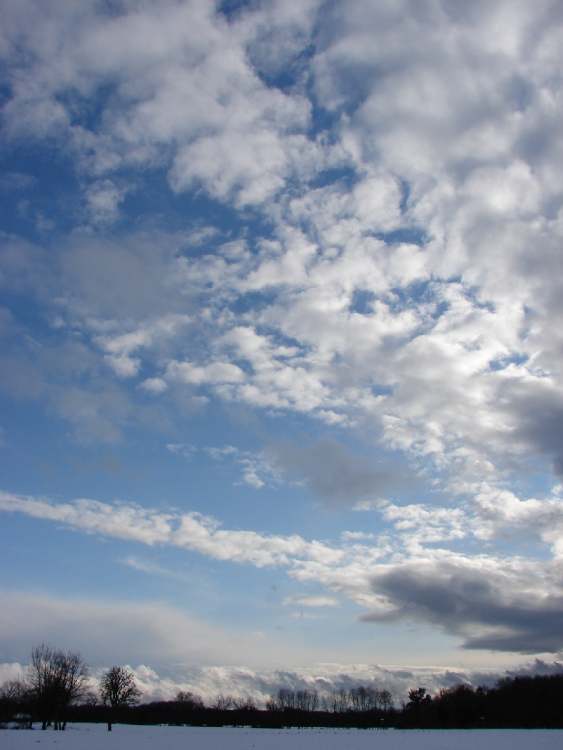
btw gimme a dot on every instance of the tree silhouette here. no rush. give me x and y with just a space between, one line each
56 679
118 689
15 700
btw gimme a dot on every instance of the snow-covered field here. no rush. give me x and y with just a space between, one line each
95 737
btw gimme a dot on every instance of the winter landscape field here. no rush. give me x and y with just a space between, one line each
95 736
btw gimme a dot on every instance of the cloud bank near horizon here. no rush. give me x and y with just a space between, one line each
260 685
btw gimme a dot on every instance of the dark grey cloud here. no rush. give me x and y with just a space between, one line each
487 611
334 473
536 409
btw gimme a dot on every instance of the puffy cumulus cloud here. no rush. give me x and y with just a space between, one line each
335 213
257 470
185 93
500 513
413 270
462 96
490 514
153 385
120 348
420 524
480 199
103 198
254 167
213 373
280 33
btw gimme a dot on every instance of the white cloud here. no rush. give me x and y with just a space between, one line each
424 524
119 348
154 385
11 671
103 198
425 364
500 513
256 468
189 531
181 78
212 373
358 536
186 450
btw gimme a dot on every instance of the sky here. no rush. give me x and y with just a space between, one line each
281 336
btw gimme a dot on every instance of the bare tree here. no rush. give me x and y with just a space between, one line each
306 700
385 700
363 698
89 698
52 683
56 679
338 701
244 703
285 700
223 702
15 702
189 700
118 689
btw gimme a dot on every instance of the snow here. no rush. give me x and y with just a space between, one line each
127 737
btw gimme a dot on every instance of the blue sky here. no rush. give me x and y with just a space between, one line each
280 374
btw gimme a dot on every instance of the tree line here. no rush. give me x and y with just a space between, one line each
57 689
